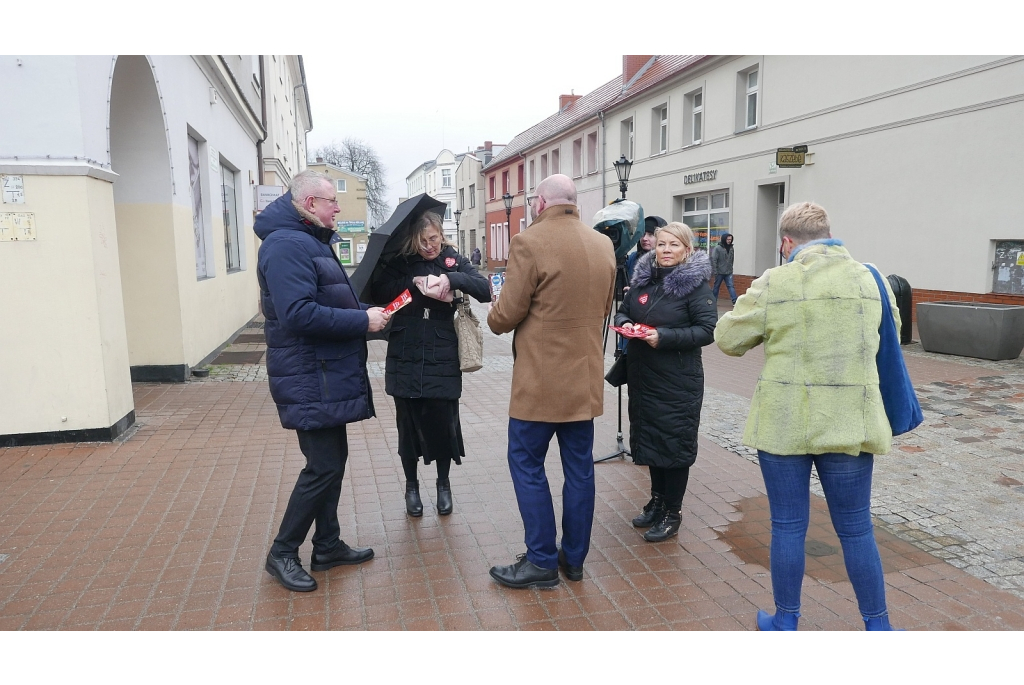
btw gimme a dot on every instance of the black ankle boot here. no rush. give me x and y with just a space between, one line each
665 527
413 505
651 513
444 497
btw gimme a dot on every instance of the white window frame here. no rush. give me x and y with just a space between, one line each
752 92
472 195
577 158
447 211
543 167
592 153
229 207
341 185
533 174
709 196
629 133
697 117
556 161
663 130
446 178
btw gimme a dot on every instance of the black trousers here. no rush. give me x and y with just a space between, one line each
316 494
670 484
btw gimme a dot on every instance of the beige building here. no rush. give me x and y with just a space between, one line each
352 220
469 201
917 159
126 243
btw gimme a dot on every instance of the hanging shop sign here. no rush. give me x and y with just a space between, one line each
791 157
700 176
267 194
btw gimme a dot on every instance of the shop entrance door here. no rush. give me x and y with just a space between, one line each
771 201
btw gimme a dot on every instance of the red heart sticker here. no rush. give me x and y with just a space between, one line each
643 299
449 262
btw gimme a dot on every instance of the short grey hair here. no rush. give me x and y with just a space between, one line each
804 222
308 183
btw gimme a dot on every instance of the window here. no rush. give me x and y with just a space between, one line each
520 181
697 116
491 181
556 167
448 211
446 178
751 120
659 129
342 185
472 195
230 206
504 182
196 187
626 138
577 158
543 167
533 175
462 198
592 153
707 216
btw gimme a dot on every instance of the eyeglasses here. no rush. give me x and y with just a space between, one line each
326 199
530 199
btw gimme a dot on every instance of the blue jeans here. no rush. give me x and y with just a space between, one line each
527 446
846 481
727 279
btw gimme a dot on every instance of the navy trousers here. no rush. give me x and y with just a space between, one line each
527 446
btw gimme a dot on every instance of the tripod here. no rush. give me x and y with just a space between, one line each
620 283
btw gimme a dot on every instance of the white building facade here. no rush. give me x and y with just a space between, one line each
436 178
916 159
128 251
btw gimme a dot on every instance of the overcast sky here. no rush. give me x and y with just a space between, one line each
410 119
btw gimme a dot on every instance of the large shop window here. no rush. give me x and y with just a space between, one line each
708 217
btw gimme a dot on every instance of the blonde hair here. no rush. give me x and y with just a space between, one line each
410 245
681 231
804 222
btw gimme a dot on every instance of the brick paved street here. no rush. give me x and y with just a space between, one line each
168 527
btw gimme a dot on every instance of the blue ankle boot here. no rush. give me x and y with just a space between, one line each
879 623
781 620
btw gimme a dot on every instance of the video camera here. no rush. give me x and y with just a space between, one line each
623 222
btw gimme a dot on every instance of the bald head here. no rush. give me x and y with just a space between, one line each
557 190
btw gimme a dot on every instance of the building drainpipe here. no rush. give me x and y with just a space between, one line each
263 120
604 158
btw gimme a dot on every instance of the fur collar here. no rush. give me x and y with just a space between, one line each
833 242
683 280
311 218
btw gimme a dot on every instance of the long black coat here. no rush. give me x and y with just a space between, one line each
666 383
423 354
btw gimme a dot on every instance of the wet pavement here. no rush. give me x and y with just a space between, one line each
168 527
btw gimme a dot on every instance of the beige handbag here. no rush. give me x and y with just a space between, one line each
471 338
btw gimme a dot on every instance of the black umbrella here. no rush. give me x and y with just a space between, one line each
386 241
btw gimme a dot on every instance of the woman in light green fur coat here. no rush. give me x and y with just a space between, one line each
816 404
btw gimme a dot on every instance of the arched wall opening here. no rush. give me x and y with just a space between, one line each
145 227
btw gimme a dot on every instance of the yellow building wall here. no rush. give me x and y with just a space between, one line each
65 357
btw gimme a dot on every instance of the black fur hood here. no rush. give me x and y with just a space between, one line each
679 282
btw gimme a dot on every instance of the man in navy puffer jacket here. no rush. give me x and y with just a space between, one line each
316 360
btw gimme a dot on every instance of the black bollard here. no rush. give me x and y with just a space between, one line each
905 302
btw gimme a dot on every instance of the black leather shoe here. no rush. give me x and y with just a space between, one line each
574 573
290 574
342 556
665 527
524 574
653 510
444 496
413 504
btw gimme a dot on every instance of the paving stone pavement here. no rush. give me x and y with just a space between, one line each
168 527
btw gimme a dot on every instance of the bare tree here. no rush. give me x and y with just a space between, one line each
360 158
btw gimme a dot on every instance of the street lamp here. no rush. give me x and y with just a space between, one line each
458 215
622 167
507 199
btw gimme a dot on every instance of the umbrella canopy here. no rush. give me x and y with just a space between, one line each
386 241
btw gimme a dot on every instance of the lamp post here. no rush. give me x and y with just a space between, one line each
507 199
462 243
622 167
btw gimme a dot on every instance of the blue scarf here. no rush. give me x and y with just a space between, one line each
820 241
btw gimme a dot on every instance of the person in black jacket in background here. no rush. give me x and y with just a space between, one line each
422 371
665 376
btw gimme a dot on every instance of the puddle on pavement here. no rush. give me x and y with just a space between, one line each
750 537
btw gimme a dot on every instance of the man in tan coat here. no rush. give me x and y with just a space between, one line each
556 297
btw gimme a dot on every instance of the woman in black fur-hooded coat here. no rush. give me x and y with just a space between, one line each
670 293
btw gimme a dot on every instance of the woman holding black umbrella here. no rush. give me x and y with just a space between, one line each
422 369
